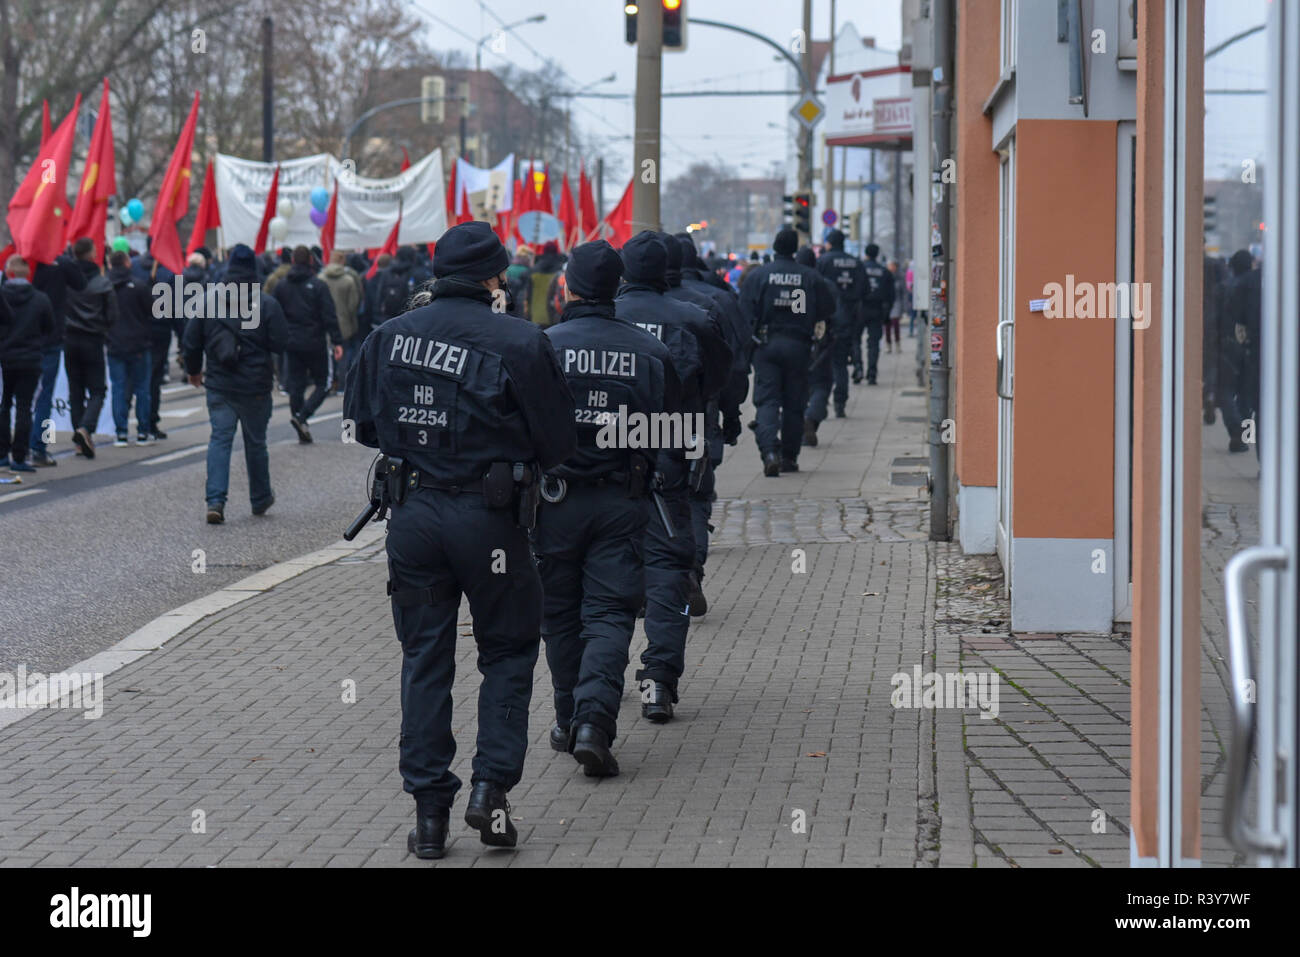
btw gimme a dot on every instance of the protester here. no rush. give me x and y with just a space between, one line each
394 285
238 381
54 280
26 323
349 295
91 312
129 362
519 281
309 311
541 290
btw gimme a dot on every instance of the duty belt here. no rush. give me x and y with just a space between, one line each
417 479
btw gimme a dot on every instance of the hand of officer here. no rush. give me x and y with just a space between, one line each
338 353
196 380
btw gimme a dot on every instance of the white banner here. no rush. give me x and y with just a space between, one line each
367 208
488 190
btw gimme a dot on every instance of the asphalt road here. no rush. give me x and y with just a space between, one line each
92 550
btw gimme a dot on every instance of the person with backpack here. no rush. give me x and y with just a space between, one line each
309 311
349 296
395 285
234 364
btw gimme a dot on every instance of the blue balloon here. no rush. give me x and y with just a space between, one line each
320 198
136 209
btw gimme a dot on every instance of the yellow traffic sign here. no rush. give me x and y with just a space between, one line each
808 111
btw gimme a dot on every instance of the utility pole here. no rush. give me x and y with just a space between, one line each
268 92
805 154
942 13
896 250
649 89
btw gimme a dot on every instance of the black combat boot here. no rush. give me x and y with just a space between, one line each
839 410
789 465
489 813
810 433
559 738
591 749
659 708
428 839
771 464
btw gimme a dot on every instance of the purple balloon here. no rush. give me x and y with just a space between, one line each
318 218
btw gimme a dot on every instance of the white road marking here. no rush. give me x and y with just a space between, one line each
178 413
172 456
324 418
173 389
13 495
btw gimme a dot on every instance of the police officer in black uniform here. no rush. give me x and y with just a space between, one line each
471 403
687 281
875 309
820 377
702 360
849 277
589 540
783 298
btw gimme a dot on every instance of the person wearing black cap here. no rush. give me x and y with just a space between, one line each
783 300
237 354
820 375
849 278
591 525
469 405
876 303
670 558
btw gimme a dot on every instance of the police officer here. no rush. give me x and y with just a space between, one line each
783 298
849 277
820 376
875 310
472 402
701 360
686 281
590 533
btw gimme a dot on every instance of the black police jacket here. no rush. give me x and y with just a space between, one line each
783 298
454 386
133 331
253 374
880 289
615 370
847 275
308 309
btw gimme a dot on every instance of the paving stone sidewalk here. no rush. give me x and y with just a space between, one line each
235 745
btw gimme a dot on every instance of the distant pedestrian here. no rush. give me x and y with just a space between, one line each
26 322
128 352
309 310
91 312
235 365
894 322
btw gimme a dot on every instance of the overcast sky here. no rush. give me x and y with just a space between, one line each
586 38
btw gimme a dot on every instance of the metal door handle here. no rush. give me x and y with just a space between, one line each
1002 358
1244 836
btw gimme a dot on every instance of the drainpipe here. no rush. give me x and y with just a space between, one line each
942 14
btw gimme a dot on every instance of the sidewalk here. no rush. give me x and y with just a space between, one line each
786 750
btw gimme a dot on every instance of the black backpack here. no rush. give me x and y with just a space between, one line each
221 344
394 292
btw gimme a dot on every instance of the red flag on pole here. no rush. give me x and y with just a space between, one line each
389 246
331 220
465 215
406 161
587 214
568 214
45 122
543 187
98 182
208 216
174 198
39 210
617 226
268 213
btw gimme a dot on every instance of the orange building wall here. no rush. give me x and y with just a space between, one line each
975 312
1064 368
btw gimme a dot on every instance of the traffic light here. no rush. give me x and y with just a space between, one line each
674 32
803 213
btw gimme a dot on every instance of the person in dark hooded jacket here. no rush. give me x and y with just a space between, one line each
238 391
26 319
129 341
309 311
394 285
91 312
54 280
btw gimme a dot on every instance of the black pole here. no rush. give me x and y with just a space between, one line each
600 187
268 99
463 124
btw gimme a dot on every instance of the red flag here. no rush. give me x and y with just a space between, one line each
587 214
268 213
331 220
406 161
45 122
98 182
389 246
465 216
174 198
209 216
39 210
617 226
542 186
568 214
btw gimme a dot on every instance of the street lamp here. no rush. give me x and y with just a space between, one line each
478 48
